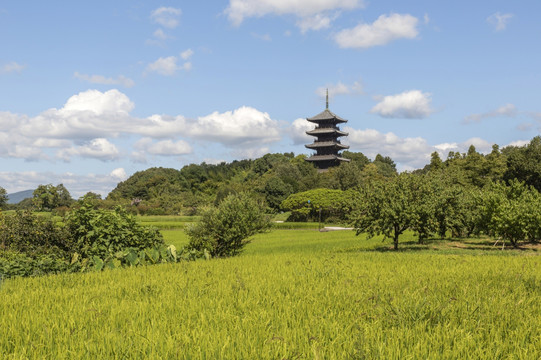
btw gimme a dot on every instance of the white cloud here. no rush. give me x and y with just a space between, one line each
11 67
100 149
315 22
381 32
413 152
313 15
112 101
339 89
298 130
160 35
166 16
251 153
507 110
240 127
499 21
412 104
169 66
185 55
519 143
164 66
99 79
164 147
119 173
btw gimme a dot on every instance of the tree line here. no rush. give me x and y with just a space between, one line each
465 194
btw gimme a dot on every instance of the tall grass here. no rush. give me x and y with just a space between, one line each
292 294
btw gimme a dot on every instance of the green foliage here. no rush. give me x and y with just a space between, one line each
511 212
387 208
524 163
224 230
103 233
49 197
3 198
333 203
24 231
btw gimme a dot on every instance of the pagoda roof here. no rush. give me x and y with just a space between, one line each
321 131
326 144
326 115
326 158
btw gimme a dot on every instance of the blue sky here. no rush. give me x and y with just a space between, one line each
91 92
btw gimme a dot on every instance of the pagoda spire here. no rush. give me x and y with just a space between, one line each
327 100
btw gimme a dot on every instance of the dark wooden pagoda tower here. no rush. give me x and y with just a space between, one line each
326 143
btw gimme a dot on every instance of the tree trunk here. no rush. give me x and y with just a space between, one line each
395 238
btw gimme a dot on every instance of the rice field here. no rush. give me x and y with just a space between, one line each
293 294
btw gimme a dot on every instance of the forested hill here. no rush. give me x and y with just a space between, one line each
274 177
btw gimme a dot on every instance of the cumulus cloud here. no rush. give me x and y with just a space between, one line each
519 143
164 66
413 152
240 127
412 104
298 130
499 21
163 147
166 16
100 79
339 89
11 67
92 124
507 110
169 66
119 173
385 29
100 149
312 15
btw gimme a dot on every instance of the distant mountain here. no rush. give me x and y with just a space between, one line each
19 196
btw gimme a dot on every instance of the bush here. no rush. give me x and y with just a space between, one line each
23 231
103 233
225 230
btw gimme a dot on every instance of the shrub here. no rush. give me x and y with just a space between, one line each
26 232
102 233
225 230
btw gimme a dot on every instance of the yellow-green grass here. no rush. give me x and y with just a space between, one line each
292 294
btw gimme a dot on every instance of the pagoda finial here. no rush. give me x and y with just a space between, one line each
327 103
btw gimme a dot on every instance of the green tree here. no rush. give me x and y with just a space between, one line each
423 221
332 202
63 196
3 197
347 176
386 208
45 197
357 158
511 212
524 163
224 230
276 191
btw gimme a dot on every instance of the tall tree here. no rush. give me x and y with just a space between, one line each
386 208
3 197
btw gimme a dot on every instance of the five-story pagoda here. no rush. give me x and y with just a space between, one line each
326 144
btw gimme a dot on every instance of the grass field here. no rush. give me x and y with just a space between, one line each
293 294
